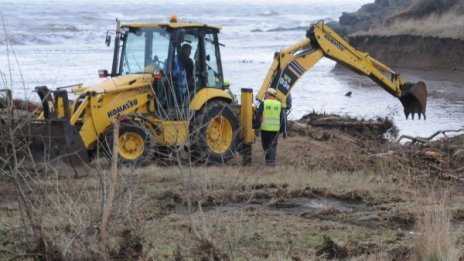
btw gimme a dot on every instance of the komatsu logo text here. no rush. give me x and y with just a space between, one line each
334 42
122 108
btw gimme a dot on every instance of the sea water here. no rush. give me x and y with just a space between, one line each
57 43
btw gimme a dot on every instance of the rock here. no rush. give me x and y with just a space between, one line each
369 15
285 29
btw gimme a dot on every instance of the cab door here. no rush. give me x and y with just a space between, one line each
180 82
212 69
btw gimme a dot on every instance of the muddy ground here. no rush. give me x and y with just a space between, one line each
342 190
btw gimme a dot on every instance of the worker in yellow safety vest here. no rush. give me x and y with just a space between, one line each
268 123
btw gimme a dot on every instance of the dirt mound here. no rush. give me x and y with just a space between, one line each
19 106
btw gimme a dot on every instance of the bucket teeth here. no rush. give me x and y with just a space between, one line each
420 114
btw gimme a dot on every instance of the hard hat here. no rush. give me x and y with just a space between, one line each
272 91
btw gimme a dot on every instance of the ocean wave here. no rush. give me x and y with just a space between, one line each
121 16
61 28
52 38
22 39
286 29
269 13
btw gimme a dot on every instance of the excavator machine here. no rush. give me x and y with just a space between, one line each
167 110
321 41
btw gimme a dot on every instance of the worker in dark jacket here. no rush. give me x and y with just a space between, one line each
268 123
183 72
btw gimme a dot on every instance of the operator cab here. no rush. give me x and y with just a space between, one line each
184 58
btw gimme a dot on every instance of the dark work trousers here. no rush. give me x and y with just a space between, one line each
269 142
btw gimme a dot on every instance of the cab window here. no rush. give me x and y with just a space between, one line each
213 73
144 47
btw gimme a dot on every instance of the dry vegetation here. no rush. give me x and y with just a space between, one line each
436 18
434 234
444 26
339 192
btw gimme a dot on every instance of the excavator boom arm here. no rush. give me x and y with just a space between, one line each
321 41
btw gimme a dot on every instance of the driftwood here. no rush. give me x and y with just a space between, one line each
384 154
331 122
300 127
340 124
460 169
426 139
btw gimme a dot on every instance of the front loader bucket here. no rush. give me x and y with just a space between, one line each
414 99
44 141
48 140
56 139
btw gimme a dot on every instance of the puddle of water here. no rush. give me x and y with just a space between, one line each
304 205
292 206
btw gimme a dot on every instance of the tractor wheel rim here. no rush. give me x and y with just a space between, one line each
130 145
219 134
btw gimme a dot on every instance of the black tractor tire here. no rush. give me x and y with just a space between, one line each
214 133
135 144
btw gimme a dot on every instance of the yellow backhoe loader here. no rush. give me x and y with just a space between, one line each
166 108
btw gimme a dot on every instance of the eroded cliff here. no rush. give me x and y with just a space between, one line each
409 33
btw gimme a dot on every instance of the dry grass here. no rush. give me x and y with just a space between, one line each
424 7
444 26
223 212
226 212
435 240
435 18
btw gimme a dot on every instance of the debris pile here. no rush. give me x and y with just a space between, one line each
339 143
381 129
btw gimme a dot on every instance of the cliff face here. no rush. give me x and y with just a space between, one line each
413 51
408 33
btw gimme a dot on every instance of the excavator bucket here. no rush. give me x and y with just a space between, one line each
414 99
